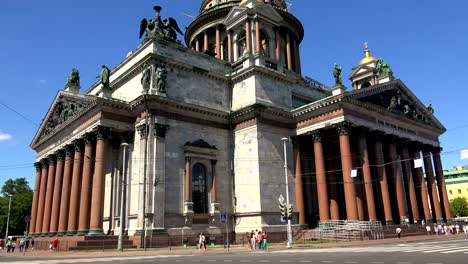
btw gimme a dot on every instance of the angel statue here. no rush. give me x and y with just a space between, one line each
74 78
337 74
167 29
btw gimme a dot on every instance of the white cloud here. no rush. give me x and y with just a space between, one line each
5 137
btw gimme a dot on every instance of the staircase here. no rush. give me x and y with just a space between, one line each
389 231
102 243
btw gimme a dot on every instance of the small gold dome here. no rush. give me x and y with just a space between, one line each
368 58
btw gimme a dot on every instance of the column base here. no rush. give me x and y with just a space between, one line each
96 232
389 222
155 231
82 233
51 234
430 221
441 221
70 233
61 234
43 235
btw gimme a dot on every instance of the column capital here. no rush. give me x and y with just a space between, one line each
89 139
295 141
60 154
316 136
78 145
45 163
52 159
343 128
69 149
38 166
102 132
160 130
437 151
142 130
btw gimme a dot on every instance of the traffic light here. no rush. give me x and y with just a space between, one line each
290 211
282 208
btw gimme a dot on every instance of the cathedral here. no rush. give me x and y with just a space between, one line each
183 132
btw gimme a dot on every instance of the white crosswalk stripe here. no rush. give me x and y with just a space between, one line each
439 247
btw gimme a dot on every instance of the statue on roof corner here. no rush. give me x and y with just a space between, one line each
337 74
430 108
166 29
73 79
104 77
383 69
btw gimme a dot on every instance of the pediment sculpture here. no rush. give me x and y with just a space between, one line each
64 109
395 102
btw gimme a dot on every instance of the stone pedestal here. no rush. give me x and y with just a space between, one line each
214 215
338 89
72 88
188 213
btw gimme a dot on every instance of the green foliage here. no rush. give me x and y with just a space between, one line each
459 207
13 187
21 203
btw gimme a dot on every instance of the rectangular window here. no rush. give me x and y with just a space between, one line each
450 192
459 191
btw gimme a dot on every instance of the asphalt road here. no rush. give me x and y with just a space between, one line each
441 252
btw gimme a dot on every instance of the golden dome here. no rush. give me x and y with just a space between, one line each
368 58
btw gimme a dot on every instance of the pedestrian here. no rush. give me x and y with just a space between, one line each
51 246
256 238
32 244
423 222
202 241
249 241
26 246
428 229
260 239
8 244
13 246
457 227
252 239
56 244
21 245
398 231
264 241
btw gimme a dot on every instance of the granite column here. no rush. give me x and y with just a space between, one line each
321 179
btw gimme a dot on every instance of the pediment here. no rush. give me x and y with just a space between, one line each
361 69
234 15
265 11
65 107
396 98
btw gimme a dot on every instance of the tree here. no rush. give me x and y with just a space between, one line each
13 187
459 207
21 203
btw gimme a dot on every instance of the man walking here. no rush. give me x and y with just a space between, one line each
398 231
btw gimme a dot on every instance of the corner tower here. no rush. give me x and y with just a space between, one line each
233 30
370 71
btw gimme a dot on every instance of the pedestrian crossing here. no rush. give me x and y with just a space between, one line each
159 258
423 248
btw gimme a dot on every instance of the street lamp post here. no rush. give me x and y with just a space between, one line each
8 218
289 231
122 197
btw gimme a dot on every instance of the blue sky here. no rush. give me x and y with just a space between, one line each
425 42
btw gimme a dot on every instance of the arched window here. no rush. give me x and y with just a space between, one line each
199 189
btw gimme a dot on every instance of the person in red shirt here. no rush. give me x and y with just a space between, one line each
56 243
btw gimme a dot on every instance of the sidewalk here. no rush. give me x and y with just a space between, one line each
219 250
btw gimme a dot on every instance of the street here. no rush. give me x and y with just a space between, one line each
434 252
